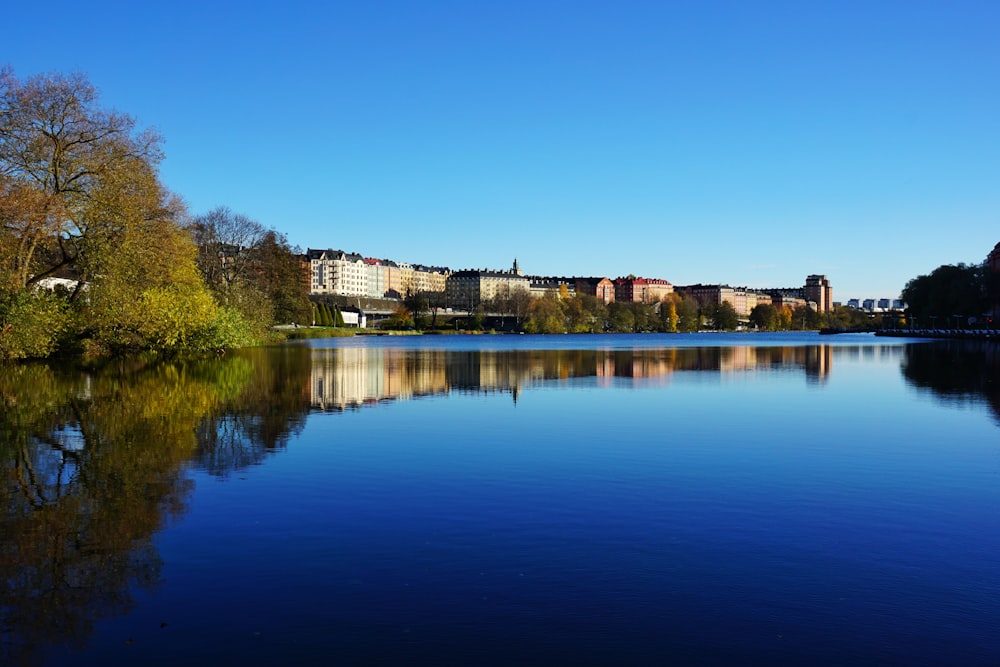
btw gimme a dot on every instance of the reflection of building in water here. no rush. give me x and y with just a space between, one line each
351 377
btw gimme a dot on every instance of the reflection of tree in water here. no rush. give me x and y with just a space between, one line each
92 468
271 406
956 371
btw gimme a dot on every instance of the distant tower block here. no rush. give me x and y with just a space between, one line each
818 291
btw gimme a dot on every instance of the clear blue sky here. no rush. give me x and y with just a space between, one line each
744 142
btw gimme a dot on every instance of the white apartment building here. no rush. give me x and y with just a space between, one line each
337 272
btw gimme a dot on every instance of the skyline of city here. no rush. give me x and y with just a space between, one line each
732 143
894 302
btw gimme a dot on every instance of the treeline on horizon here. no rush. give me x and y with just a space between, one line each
81 199
561 312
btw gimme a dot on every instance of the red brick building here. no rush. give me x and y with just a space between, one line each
602 288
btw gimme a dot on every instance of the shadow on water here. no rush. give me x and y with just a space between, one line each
956 371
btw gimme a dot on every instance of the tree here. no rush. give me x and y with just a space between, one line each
401 318
417 303
277 272
707 312
645 316
948 291
58 147
668 313
785 318
805 318
80 197
764 317
226 244
688 314
31 324
29 223
325 319
726 317
546 315
520 304
621 317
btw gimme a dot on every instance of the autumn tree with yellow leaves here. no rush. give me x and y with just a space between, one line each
81 199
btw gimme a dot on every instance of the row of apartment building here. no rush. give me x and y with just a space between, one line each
351 274
466 289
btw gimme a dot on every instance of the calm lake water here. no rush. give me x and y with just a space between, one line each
508 500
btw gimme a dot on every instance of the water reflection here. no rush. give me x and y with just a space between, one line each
266 404
92 468
95 463
343 378
956 371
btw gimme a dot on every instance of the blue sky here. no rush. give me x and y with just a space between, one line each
744 142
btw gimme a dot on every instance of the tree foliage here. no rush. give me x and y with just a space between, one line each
726 318
62 156
688 315
250 268
80 198
950 290
764 317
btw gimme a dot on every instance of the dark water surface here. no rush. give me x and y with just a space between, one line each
564 500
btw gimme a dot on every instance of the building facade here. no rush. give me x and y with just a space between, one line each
429 278
468 288
601 288
376 277
539 286
819 291
641 290
742 300
337 272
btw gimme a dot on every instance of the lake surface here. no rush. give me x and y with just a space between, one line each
652 499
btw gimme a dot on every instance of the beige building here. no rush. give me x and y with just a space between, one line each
429 278
468 288
742 300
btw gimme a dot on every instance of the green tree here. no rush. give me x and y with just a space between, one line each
278 273
621 317
707 313
688 314
325 319
950 290
32 323
726 317
805 318
764 317
418 304
546 315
